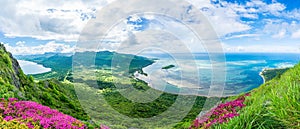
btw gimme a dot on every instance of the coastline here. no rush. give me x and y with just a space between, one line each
265 73
145 78
262 76
265 70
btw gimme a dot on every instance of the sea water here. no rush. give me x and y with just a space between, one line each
241 72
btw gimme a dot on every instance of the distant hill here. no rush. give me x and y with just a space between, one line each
61 64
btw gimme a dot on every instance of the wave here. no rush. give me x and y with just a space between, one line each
246 62
284 65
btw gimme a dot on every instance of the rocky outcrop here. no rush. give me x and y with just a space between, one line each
10 69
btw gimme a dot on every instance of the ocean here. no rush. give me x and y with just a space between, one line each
241 72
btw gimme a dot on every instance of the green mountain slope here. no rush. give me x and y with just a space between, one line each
52 93
275 104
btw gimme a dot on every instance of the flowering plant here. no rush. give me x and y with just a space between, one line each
33 114
220 114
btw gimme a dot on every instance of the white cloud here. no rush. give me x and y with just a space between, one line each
281 34
268 48
49 20
296 34
281 29
242 36
294 14
259 6
224 19
64 20
225 16
20 43
22 49
250 15
43 19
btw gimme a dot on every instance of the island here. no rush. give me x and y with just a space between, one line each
168 66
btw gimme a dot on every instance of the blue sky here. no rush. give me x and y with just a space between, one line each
38 26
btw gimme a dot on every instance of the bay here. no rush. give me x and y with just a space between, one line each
241 72
29 67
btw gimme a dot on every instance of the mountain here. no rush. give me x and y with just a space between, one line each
15 84
61 64
11 75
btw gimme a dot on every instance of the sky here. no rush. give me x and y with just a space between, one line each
39 26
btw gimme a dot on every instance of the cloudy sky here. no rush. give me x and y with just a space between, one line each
38 26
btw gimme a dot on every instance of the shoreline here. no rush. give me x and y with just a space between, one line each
261 73
262 76
144 77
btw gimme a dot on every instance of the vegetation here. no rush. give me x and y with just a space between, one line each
168 67
274 104
61 64
15 84
269 74
61 95
35 115
12 124
107 93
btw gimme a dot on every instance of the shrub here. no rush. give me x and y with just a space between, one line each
220 114
33 114
13 124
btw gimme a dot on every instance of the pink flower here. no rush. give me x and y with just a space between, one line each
104 127
34 113
222 113
8 118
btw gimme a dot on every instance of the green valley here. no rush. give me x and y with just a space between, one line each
56 90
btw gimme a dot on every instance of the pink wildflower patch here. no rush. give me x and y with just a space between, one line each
221 114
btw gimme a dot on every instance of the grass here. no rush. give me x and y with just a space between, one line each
273 105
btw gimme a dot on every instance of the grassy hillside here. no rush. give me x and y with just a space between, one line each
275 104
15 84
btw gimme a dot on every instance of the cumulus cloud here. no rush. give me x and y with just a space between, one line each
64 20
281 29
296 34
46 20
168 17
22 49
281 34
294 14
226 17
